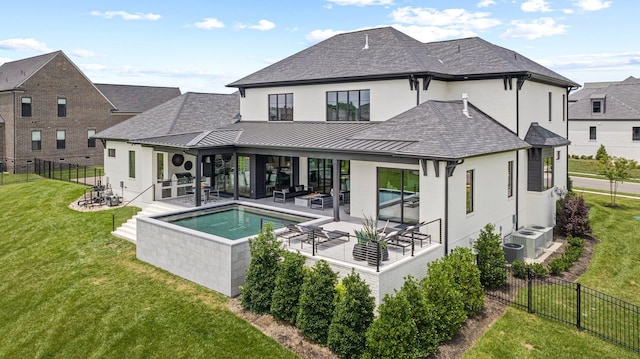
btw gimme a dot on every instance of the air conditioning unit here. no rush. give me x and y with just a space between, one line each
532 241
547 231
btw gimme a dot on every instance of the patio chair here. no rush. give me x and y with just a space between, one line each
412 233
392 239
330 235
296 231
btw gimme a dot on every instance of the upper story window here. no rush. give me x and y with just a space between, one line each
281 107
61 139
62 107
550 106
26 107
111 152
635 134
348 105
36 140
510 179
592 133
597 106
91 142
132 164
548 172
470 190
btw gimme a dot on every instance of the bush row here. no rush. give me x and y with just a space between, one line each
573 252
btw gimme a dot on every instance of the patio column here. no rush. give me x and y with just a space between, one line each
336 190
197 191
235 176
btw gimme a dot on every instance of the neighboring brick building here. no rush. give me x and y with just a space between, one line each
49 109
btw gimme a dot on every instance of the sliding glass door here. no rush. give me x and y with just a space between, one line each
398 195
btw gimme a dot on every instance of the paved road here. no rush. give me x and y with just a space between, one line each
604 185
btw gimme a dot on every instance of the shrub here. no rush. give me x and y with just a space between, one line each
466 275
573 253
393 334
538 270
425 317
441 291
490 258
575 241
352 317
316 302
286 295
265 251
601 153
558 265
572 217
519 269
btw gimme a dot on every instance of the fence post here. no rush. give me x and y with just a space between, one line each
578 305
529 291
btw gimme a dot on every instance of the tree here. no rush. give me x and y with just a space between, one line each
286 295
352 317
490 258
615 169
572 216
266 251
466 275
317 302
425 316
601 153
393 334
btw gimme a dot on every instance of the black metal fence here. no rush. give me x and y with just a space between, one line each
590 310
36 169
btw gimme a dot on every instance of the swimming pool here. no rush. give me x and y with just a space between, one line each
234 221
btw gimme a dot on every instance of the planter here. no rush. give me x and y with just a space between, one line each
372 253
359 252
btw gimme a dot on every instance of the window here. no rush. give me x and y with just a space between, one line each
592 133
469 191
596 106
557 155
510 179
61 139
26 107
160 166
62 108
111 152
281 107
132 164
36 140
91 142
548 172
635 134
564 108
550 107
348 105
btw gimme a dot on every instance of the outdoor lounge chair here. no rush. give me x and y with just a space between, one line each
392 238
325 235
296 231
412 233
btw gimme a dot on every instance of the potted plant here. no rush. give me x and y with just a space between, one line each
376 250
360 248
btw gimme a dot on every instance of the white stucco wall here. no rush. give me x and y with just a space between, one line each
616 136
116 170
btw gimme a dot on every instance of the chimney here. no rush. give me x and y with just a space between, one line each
465 105
366 42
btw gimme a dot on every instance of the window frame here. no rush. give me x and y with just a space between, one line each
132 164
62 107
550 106
111 152
470 189
26 108
635 133
547 172
510 179
593 133
281 111
61 143
597 106
354 107
36 145
91 142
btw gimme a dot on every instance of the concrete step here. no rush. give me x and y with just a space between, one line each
128 229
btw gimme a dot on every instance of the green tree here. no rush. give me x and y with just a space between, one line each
266 251
424 315
466 275
615 169
490 258
317 302
394 333
601 153
286 295
352 317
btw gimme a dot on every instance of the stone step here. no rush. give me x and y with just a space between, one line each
128 229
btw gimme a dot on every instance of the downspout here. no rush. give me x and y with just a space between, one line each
15 121
446 212
517 158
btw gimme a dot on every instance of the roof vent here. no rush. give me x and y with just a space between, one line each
366 42
465 104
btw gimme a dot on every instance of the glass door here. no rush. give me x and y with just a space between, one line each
398 195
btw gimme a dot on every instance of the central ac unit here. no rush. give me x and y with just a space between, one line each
533 242
546 231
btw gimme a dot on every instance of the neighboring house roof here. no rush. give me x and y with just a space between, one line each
539 136
13 74
1 119
187 113
621 101
435 129
137 99
388 53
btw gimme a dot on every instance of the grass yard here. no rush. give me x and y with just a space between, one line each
615 269
71 290
590 169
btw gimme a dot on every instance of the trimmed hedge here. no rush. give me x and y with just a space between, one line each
317 302
286 295
490 258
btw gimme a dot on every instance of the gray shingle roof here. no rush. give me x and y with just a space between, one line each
392 53
137 99
13 74
189 113
539 136
622 101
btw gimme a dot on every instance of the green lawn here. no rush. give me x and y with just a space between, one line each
71 290
615 269
590 169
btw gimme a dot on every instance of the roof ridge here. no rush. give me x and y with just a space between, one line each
177 113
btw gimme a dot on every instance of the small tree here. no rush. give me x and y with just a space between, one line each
615 169
317 301
466 275
490 258
393 334
266 251
601 153
352 317
286 295
572 216
425 317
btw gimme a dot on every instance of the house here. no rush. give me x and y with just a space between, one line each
461 131
606 113
50 110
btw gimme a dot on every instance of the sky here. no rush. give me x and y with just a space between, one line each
203 45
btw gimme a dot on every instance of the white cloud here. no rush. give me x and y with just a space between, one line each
535 6
84 53
535 29
434 33
486 3
263 25
126 16
360 2
452 19
320 35
592 5
5 59
24 44
209 23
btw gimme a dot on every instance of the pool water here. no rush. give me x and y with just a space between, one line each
234 222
